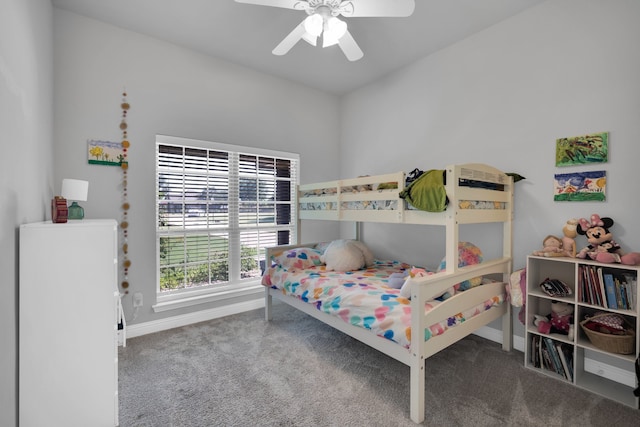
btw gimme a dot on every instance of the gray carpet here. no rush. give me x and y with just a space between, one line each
296 371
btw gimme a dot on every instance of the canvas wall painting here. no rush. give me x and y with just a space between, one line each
580 186
105 153
582 150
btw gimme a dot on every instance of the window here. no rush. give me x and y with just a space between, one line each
218 207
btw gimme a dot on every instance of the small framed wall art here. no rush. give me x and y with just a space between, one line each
580 186
105 153
582 150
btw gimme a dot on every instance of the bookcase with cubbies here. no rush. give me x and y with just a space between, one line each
596 291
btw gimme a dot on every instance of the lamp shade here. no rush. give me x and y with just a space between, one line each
75 189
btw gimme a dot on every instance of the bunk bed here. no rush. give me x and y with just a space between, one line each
475 194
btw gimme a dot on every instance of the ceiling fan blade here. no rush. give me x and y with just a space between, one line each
291 39
350 48
377 8
287 4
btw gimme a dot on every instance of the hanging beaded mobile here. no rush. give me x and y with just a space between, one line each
124 223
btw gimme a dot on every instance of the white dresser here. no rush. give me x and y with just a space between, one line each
68 315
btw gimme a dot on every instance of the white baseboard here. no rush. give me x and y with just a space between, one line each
495 335
140 329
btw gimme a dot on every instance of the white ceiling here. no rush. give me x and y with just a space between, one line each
246 34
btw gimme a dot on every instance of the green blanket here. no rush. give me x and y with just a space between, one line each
427 193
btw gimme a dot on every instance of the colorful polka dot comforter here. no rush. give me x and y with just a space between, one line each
362 298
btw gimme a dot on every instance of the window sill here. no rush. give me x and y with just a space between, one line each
191 300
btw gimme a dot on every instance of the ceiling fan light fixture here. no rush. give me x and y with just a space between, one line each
313 24
334 29
309 38
322 20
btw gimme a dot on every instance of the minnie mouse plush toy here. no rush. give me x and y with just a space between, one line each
602 247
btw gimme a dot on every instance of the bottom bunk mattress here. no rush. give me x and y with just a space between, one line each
362 298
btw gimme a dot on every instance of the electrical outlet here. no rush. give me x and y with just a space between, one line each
137 300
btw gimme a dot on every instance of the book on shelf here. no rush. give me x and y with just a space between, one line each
593 277
535 360
565 357
540 355
603 293
556 364
583 288
610 287
547 363
622 291
623 295
632 288
616 280
584 284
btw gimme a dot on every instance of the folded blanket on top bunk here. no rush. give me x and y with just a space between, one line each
425 191
362 298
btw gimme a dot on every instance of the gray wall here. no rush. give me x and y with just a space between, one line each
177 92
503 96
564 68
26 175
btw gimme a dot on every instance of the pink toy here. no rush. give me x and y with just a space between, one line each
602 247
561 317
560 321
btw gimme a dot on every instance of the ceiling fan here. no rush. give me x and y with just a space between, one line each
322 20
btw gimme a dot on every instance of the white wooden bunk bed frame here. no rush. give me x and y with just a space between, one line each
426 288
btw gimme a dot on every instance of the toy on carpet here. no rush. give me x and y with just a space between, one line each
347 255
602 247
560 321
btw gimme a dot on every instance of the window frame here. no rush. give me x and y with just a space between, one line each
235 286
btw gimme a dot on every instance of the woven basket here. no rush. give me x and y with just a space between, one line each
621 344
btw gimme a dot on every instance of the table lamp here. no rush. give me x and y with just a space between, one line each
75 190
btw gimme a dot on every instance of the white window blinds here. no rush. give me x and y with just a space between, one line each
218 208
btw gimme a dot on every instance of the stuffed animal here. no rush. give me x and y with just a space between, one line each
517 291
560 321
569 240
347 255
415 272
552 246
468 254
602 247
396 280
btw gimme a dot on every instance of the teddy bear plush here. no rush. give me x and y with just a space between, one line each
347 255
602 247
